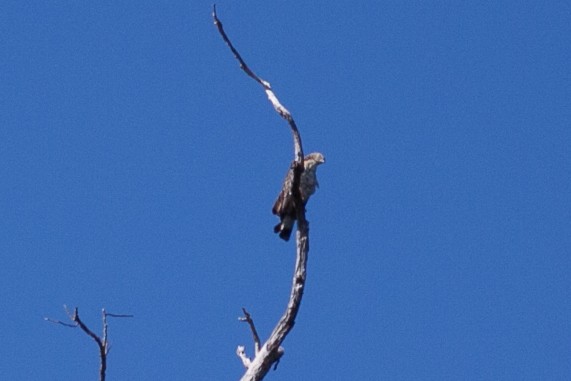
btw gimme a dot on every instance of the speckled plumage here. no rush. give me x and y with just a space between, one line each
284 206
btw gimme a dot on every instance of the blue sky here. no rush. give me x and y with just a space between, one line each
139 167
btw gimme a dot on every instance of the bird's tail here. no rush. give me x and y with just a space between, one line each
283 230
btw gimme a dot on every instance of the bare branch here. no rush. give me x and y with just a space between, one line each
271 351
241 352
280 109
118 315
248 319
102 342
60 322
85 329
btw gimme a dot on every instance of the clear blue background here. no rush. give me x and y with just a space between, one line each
139 165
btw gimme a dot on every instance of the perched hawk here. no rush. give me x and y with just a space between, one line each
284 206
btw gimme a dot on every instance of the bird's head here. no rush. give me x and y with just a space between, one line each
313 160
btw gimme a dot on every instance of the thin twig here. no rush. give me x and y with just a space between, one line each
248 319
237 55
118 315
60 322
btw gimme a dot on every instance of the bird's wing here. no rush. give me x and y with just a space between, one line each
284 202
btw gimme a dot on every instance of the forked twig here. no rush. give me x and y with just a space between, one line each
102 342
248 319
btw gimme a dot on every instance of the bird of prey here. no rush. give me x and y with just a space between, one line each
284 206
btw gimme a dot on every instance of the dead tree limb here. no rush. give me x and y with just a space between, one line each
102 342
272 351
280 109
